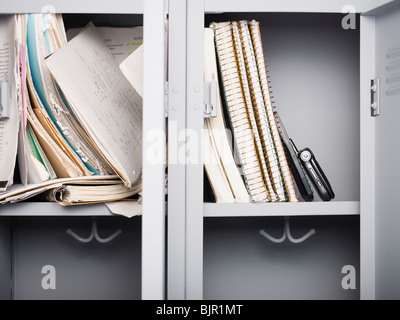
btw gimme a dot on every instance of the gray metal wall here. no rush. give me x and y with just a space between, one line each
239 263
314 70
83 271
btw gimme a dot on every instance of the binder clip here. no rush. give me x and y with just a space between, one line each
5 99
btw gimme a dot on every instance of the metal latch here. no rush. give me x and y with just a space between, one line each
375 107
210 99
166 105
5 99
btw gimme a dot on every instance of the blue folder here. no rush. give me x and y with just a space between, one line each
37 79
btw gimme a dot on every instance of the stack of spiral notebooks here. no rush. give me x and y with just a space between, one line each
262 164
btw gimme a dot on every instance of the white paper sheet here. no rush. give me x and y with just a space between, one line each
132 68
120 41
126 208
103 100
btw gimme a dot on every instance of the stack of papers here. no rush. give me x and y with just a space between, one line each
75 121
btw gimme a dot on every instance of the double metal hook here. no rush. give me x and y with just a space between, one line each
94 234
287 234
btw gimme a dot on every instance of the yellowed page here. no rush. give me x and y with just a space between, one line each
103 100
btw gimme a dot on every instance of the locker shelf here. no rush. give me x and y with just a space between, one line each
52 209
212 6
281 209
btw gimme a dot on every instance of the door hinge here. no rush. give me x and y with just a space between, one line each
166 104
375 107
210 99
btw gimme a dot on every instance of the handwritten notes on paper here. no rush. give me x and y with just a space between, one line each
104 101
4 70
4 57
120 41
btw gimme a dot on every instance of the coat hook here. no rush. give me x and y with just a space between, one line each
94 234
298 240
104 240
287 234
271 238
79 238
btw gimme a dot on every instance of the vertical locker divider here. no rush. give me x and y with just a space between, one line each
367 160
194 168
176 238
386 61
153 220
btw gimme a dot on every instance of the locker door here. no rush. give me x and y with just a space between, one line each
387 134
154 146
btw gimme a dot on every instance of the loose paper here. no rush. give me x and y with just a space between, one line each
103 100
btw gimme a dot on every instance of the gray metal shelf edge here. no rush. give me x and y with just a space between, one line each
52 209
281 209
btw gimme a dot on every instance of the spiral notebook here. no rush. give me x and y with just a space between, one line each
245 145
222 171
250 112
259 59
248 105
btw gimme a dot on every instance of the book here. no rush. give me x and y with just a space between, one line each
17 192
222 171
71 194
